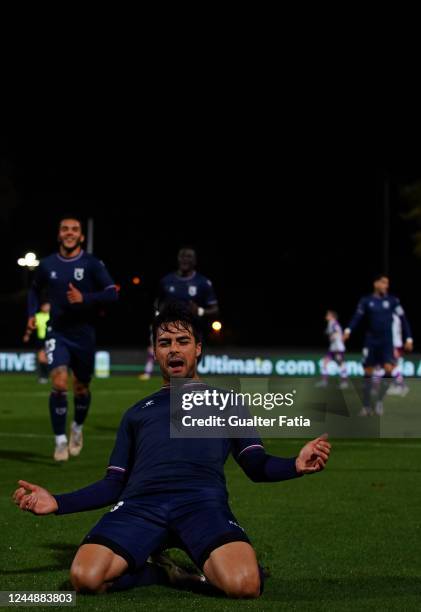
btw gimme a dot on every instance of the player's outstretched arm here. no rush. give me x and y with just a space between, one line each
313 456
261 467
33 498
97 495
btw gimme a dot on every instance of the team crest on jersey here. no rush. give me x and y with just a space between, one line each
53 274
386 304
171 288
79 273
192 290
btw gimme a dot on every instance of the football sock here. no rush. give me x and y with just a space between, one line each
43 370
147 575
58 411
82 403
384 387
367 391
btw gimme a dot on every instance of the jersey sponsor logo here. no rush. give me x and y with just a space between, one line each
117 506
79 273
53 274
192 290
386 304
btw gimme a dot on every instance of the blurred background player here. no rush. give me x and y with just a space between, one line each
76 283
336 351
378 309
188 286
398 387
41 319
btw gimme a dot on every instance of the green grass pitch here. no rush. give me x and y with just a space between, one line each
346 539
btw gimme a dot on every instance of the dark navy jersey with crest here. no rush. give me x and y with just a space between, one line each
378 313
196 288
153 462
87 274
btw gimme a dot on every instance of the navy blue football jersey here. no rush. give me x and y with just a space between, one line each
156 463
85 272
195 288
378 313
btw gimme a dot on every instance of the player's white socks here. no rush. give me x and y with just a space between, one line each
62 439
76 428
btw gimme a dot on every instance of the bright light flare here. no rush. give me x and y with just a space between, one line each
30 261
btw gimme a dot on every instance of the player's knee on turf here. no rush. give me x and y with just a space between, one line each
245 584
86 579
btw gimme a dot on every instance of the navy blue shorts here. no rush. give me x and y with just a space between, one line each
136 528
377 354
76 352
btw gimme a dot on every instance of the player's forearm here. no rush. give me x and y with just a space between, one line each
261 467
406 328
353 324
359 313
107 295
33 302
102 493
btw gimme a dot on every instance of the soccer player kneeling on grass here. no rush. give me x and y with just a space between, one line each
169 489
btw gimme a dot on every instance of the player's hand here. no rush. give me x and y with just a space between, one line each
74 296
26 337
346 335
35 499
409 345
313 456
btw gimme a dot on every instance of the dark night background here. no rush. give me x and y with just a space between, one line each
283 234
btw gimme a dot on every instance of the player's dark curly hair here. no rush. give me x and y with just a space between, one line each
70 216
178 315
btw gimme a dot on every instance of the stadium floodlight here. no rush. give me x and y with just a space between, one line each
29 261
217 326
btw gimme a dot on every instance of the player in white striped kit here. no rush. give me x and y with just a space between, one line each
336 351
399 387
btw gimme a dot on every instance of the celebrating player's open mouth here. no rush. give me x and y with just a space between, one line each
175 365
